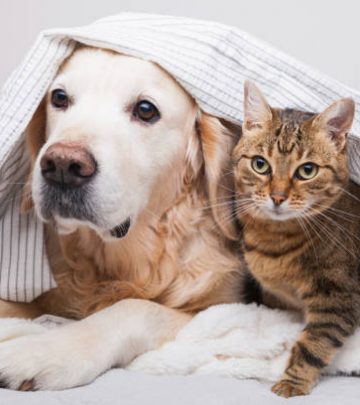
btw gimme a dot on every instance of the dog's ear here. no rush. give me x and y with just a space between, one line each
35 138
217 143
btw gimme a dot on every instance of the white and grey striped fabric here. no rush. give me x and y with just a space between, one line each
210 60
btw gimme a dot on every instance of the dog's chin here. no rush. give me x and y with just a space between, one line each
67 226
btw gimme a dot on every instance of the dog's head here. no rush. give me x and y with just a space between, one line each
111 133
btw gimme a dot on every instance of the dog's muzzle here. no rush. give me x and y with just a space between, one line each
67 170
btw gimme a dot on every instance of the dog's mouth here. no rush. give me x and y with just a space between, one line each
70 209
67 203
121 230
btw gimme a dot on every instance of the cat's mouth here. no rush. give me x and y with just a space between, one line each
279 213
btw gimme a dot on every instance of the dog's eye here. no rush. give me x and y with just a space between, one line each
146 111
59 98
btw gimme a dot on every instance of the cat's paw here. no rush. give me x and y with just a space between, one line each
287 389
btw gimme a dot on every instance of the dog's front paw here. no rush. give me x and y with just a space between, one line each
11 328
55 359
287 389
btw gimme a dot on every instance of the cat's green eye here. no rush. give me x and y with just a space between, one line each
260 165
307 171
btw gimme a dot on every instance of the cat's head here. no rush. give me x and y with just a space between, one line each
290 163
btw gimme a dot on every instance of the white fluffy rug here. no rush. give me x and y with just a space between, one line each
242 341
235 340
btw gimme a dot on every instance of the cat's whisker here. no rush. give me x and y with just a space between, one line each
349 194
241 208
224 220
233 215
302 224
331 237
322 229
335 211
223 198
223 204
307 220
226 188
336 224
228 202
251 219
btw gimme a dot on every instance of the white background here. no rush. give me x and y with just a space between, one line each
324 34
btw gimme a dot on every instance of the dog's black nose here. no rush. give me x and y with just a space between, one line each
67 164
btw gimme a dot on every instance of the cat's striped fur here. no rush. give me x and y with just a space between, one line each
304 255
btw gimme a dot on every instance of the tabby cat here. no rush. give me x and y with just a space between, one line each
301 225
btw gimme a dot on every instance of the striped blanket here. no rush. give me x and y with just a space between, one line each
210 60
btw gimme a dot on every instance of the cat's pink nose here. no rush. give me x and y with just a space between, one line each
278 197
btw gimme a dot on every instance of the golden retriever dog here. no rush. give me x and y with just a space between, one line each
132 182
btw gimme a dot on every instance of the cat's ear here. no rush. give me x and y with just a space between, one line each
257 111
336 120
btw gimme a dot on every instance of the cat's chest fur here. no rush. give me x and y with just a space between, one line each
273 259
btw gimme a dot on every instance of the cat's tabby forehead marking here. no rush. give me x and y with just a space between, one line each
288 133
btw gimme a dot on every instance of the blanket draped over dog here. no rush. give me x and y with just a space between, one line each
210 60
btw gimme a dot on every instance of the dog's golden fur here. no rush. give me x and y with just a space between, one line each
180 252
